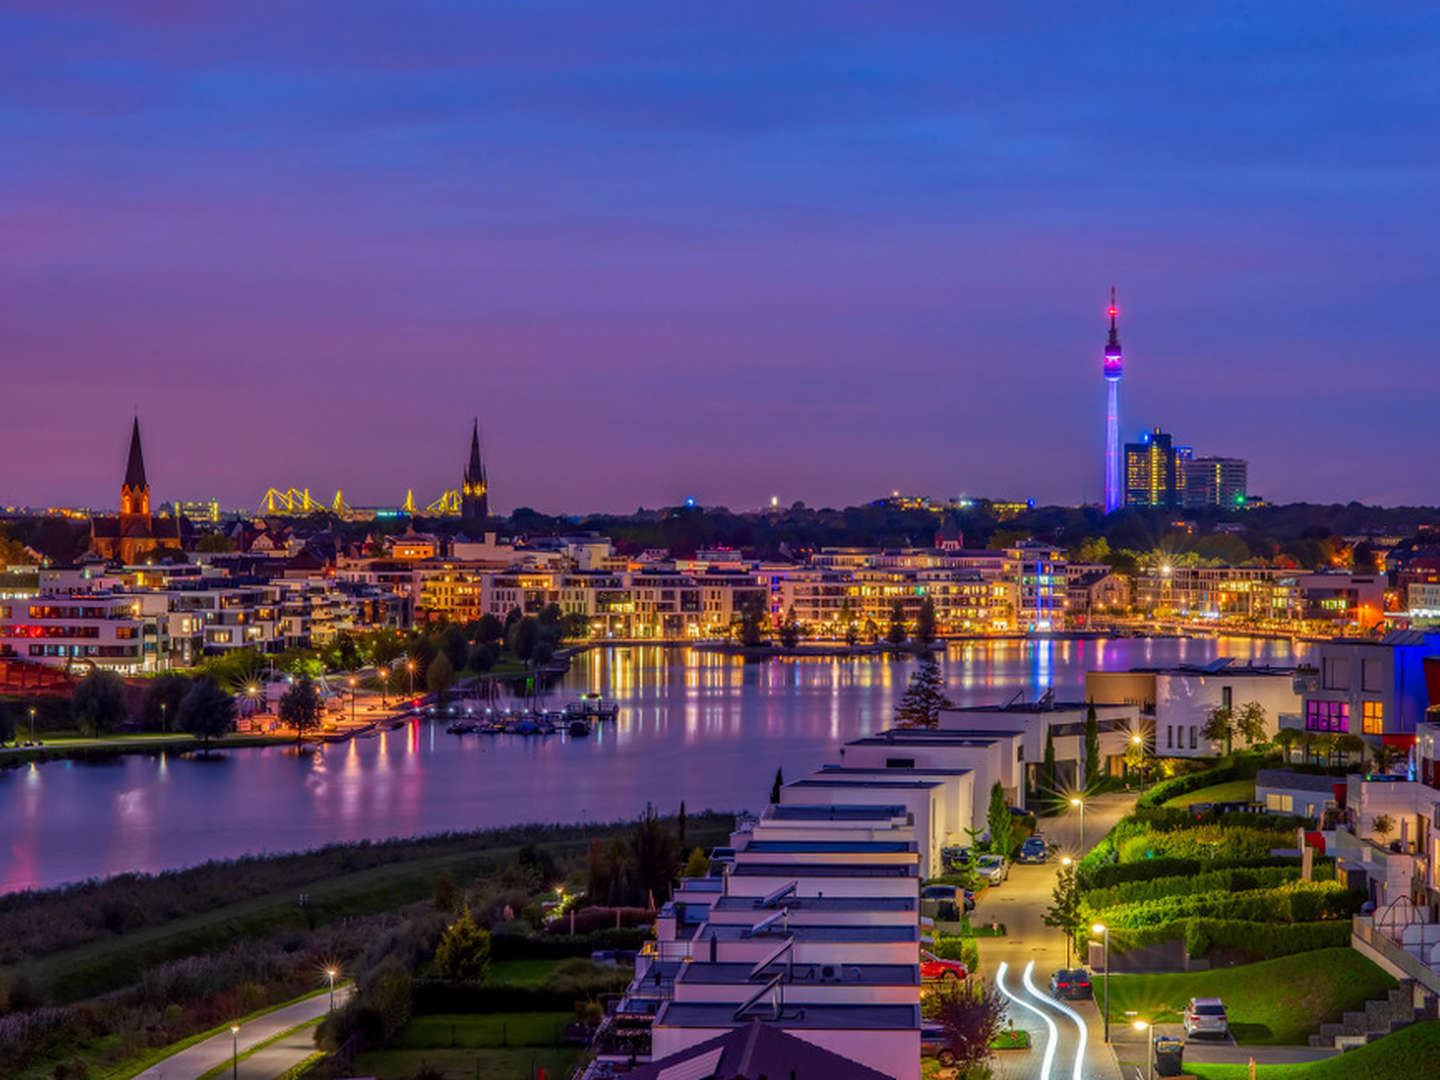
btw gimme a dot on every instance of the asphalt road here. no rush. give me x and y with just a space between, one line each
204 1056
1067 1036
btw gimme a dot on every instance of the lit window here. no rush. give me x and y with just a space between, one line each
1374 718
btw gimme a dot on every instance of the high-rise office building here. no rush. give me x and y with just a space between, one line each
1155 470
1216 481
1114 368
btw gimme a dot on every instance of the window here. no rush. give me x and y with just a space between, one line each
1226 697
1327 716
1281 804
1193 736
1374 718
1370 675
1169 737
1337 673
899 763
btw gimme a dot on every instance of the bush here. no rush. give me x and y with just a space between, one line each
1247 940
1108 874
1212 881
964 949
555 946
1236 767
591 919
1296 902
1204 842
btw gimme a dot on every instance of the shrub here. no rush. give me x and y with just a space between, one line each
554 945
1295 902
590 919
1211 881
1252 941
1108 874
1204 842
1236 767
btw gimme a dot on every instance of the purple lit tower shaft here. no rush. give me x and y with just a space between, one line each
1114 493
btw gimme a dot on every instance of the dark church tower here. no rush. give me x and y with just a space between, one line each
474 489
135 492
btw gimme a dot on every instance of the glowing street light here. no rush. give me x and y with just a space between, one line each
1101 928
1077 801
1141 1025
332 973
234 1052
354 683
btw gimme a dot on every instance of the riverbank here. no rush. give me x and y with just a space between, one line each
80 748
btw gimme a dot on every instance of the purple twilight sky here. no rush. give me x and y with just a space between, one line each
819 250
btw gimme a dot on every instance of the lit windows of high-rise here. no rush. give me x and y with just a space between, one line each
1155 471
1216 481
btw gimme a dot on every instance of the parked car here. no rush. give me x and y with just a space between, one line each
932 967
1206 1016
935 1043
1033 850
992 868
1071 983
959 899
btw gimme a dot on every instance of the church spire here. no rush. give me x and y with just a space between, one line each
474 490
135 467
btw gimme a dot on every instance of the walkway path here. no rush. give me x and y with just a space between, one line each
204 1056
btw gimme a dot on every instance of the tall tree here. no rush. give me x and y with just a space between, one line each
1064 913
925 622
7 724
1219 726
790 629
464 949
924 697
752 622
1092 746
1000 821
1250 722
777 785
680 824
207 712
439 675
97 704
657 856
163 695
895 634
300 707
847 623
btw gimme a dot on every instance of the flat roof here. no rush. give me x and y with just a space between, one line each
1284 778
880 934
801 974
1037 707
856 782
917 770
821 812
947 737
811 870
704 1014
878 847
817 903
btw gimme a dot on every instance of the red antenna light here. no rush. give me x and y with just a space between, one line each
1112 313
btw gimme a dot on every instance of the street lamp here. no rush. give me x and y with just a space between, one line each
1077 801
164 725
1141 1025
410 667
1066 861
385 686
1100 928
254 692
331 972
353 685
234 1052
32 723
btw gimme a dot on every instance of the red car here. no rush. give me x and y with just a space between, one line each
932 967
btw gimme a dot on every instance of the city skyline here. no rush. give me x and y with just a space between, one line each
819 256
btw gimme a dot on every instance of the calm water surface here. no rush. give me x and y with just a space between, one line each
707 729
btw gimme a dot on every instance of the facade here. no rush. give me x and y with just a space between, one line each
1114 367
1216 481
1376 690
134 533
1155 471
475 485
1094 591
1030 723
120 631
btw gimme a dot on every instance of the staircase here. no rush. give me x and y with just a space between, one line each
1407 1004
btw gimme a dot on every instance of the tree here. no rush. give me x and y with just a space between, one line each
924 697
7 724
163 695
925 622
482 658
895 633
1249 720
214 544
1322 744
300 706
489 629
1047 776
456 647
97 704
1219 726
971 1012
697 865
464 949
1382 824
1287 739
752 622
790 629
680 824
1064 912
1000 821
207 712
1383 757
1092 746
447 895
439 675
1349 744
847 623
777 785
656 855
597 873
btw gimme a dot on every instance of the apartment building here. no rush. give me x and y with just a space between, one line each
1374 689
127 632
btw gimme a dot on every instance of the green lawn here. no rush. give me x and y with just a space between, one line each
468 1064
484 1030
1409 1054
1230 791
1280 1001
522 972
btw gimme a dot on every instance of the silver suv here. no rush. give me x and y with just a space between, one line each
1206 1016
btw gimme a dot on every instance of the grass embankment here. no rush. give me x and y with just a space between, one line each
522 972
495 1046
1229 791
1409 1054
59 747
112 962
1274 1002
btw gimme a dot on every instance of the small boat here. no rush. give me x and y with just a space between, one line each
579 727
461 728
526 726
595 706
545 726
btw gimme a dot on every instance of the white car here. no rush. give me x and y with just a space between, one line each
992 868
1206 1016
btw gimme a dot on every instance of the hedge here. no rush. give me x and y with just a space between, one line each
558 946
1105 875
964 949
1257 941
1294 903
1228 880
1237 767
444 996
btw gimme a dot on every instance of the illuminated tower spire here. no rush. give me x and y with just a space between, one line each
1114 368
475 487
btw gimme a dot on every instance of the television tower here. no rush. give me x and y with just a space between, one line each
1114 365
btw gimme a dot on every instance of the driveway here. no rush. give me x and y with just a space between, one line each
1131 1047
196 1060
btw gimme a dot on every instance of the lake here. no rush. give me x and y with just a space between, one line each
705 728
